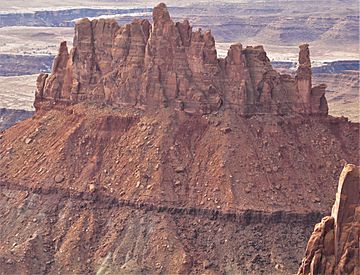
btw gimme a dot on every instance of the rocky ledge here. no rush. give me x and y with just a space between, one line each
167 64
333 247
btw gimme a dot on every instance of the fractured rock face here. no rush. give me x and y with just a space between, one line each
167 64
333 247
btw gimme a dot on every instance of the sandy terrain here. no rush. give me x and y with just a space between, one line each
33 40
17 92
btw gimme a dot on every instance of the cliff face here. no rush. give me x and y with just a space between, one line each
166 64
333 247
106 189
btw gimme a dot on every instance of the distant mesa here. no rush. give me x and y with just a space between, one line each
166 64
43 34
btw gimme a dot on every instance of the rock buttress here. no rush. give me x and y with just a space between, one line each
333 247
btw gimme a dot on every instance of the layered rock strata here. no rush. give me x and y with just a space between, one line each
333 247
167 64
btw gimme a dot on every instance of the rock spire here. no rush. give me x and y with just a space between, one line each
167 64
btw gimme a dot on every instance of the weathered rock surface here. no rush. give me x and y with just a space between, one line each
108 189
333 247
182 192
167 64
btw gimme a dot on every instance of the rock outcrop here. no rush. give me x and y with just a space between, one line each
167 64
112 190
333 247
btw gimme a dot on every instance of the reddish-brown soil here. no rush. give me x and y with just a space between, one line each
93 189
222 161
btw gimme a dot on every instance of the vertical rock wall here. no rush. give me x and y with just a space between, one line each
167 64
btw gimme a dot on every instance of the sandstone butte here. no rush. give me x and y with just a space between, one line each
148 154
167 64
333 247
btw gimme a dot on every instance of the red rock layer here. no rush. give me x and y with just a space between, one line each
166 64
333 247
185 194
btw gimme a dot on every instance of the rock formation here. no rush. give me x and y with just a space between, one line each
167 64
112 189
333 247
